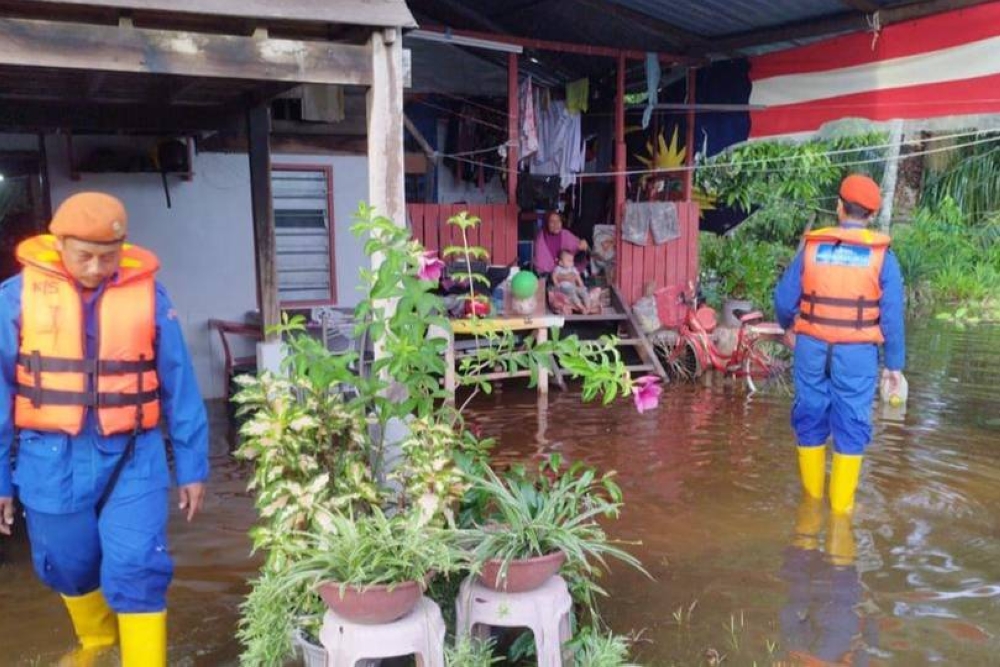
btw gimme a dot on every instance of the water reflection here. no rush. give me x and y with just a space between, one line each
822 622
712 492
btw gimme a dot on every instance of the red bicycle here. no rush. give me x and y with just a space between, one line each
760 351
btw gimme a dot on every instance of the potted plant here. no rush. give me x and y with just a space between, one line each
529 526
340 451
374 568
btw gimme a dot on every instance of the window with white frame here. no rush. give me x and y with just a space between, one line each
303 220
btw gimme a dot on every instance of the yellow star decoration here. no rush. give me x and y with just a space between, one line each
672 157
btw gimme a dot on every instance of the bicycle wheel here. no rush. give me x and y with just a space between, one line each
679 358
768 362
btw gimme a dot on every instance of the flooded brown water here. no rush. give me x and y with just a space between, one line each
712 492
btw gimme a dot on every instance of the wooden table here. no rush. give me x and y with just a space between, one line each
539 323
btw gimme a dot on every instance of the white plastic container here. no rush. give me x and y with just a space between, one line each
894 398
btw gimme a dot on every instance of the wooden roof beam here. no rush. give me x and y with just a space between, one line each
376 13
140 118
31 43
852 22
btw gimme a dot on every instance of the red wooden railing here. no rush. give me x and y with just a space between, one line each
672 263
497 231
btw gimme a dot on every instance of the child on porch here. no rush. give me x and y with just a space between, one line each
567 279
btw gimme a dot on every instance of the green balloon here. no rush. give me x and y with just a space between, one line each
524 285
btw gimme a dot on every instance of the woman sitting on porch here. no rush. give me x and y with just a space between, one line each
553 239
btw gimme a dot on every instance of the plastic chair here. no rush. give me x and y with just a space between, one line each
545 611
420 633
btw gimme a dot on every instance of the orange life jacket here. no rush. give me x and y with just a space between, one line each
57 383
840 285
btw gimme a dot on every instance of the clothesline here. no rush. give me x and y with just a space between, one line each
695 168
471 119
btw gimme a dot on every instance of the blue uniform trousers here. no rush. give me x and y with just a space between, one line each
834 391
74 552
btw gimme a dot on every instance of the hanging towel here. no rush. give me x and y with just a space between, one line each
322 103
578 95
528 134
652 87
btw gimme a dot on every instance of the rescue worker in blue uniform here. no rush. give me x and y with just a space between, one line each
843 297
91 358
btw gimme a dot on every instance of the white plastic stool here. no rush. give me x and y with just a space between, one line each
545 611
420 633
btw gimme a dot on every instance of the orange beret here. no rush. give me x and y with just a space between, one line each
861 190
91 216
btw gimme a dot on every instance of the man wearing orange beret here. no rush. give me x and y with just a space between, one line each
92 361
843 294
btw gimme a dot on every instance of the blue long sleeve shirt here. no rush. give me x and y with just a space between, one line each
788 295
61 473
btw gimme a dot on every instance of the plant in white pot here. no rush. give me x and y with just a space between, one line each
341 452
531 525
373 568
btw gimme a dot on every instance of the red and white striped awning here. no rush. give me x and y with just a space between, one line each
943 65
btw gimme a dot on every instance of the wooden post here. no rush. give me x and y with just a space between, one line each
513 127
692 81
620 162
891 175
259 143
386 190
385 129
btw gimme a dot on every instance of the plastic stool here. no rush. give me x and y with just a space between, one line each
420 633
545 611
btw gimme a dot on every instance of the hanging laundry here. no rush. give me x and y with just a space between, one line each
528 132
560 144
652 87
578 95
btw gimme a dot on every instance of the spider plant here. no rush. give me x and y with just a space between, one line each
374 550
519 516
593 648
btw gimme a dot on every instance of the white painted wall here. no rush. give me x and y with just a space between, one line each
205 241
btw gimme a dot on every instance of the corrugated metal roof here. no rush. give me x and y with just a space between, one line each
702 28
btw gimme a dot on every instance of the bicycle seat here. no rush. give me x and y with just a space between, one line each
747 316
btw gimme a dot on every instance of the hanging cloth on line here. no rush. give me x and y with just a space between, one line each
652 87
528 133
560 144
578 95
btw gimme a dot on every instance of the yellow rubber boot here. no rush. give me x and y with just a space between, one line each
94 622
812 470
144 639
844 481
840 544
808 522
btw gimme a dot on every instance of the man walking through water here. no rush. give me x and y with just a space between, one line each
843 297
91 355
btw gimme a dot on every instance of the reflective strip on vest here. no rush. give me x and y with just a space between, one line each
57 384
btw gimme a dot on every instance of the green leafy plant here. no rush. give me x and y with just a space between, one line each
970 180
594 648
950 263
469 652
349 459
744 268
523 515
374 550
